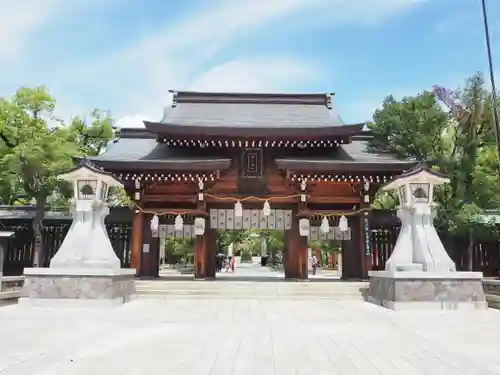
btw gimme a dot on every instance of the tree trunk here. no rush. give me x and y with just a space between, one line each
470 251
38 251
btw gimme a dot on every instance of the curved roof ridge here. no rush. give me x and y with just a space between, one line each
256 98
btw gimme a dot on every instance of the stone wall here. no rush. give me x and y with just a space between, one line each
492 292
10 289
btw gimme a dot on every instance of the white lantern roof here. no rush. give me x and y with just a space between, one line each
417 175
86 171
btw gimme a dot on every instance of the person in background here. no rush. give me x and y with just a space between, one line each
233 264
228 263
314 262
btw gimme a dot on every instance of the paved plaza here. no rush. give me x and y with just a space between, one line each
243 337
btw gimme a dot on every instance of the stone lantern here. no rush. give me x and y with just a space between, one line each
419 272
87 243
85 270
418 247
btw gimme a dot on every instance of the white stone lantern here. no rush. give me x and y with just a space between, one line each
87 243
419 273
418 246
85 272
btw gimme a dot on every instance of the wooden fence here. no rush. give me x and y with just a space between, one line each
485 250
384 227
19 252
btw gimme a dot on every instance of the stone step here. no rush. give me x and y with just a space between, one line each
242 284
247 292
256 297
250 290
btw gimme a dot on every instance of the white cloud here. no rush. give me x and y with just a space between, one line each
19 19
254 75
193 52
135 121
259 74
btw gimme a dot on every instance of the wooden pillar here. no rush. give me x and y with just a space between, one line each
210 253
154 254
297 258
352 262
200 257
150 248
136 242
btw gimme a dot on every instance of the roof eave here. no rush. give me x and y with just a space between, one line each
165 165
341 166
253 132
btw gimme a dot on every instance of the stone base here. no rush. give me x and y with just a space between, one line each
427 290
74 287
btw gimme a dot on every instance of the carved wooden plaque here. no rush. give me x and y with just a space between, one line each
252 163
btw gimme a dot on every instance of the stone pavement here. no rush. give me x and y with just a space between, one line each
243 337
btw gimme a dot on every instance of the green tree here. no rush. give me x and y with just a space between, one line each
409 129
34 151
459 143
179 248
235 237
92 135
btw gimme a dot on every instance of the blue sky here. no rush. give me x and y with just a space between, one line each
125 55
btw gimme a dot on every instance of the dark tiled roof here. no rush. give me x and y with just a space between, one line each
348 157
139 150
235 114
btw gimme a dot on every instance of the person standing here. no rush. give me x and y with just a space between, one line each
233 264
314 263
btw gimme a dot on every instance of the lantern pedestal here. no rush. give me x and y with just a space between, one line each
85 271
77 287
416 290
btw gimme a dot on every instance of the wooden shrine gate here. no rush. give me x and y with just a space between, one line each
213 150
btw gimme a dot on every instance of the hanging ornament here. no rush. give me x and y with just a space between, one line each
266 210
154 223
238 209
325 226
179 223
343 224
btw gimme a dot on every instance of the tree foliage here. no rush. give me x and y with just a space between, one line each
410 128
458 142
36 147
